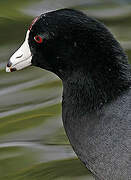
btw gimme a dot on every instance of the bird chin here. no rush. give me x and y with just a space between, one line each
21 58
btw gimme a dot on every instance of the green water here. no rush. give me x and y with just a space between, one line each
33 144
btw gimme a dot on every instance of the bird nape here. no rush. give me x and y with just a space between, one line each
96 76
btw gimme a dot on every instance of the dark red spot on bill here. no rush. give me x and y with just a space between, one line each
12 69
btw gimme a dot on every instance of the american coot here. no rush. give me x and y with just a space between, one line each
96 76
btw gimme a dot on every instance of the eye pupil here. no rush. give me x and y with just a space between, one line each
38 39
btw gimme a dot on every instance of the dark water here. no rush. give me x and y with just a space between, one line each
33 144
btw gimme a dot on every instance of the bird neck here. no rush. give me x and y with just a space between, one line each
92 92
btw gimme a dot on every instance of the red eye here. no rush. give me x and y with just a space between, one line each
38 39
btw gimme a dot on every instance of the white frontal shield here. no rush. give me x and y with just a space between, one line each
21 58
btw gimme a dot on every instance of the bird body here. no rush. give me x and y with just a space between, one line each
96 77
101 139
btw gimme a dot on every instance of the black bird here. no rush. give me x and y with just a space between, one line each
96 77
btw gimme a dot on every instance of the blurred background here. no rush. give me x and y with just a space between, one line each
33 144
